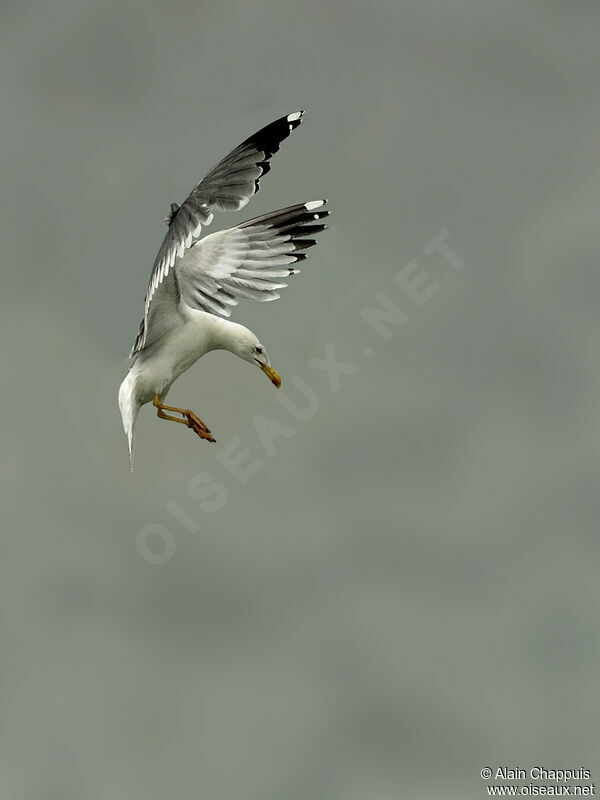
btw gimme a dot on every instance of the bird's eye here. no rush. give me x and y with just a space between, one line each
259 349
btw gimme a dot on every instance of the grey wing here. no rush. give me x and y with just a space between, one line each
248 261
227 187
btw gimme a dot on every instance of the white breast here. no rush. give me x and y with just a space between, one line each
181 347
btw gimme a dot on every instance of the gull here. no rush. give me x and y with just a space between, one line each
196 280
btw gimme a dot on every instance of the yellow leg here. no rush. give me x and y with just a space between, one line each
189 418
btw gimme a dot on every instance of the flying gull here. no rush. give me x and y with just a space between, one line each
195 280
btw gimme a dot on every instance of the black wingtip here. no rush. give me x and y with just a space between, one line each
294 119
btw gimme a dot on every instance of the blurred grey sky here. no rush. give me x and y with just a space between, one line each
406 590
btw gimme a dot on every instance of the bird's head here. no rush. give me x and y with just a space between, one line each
247 346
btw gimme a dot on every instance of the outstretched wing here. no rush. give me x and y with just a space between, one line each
227 187
248 261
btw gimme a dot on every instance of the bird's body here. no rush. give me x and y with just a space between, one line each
195 335
195 281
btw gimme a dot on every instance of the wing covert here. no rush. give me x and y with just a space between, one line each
250 260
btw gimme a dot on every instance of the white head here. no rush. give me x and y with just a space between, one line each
129 406
243 343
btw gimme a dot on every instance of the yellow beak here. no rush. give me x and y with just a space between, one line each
271 374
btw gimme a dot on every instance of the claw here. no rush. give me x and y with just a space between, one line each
199 428
196 421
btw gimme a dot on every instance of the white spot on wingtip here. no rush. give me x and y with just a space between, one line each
293 117
314 204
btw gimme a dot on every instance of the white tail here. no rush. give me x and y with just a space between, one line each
129 406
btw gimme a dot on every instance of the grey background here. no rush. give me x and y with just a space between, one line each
406 591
